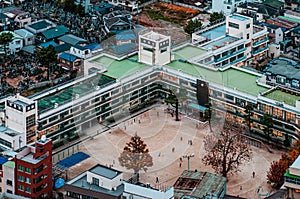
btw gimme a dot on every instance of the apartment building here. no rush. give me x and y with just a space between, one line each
231 43
31 175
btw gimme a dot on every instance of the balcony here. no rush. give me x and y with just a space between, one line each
255 44
260 50
230 55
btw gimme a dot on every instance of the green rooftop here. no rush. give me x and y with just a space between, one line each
231 78
281 96
119 69
189 52
82 88
289 19
10 164
273 3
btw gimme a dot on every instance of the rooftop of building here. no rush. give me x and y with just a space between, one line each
55 32
42 24
10 164
284 67
273 3
8 131
105 171
30 158
214 33
198 184
239 17
220 42
154 36
290 19
24 33
189 52
120 68
69 93
281 96
81 182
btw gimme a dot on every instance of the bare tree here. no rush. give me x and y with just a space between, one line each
136 155
227 149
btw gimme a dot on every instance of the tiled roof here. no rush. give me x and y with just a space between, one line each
68 57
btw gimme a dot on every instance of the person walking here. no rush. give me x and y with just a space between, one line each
253 174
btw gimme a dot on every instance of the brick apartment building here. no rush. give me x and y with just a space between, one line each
33 170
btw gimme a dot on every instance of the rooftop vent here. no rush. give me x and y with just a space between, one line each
55 105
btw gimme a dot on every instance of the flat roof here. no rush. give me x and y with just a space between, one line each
10 164
230 78
40 25
281 96
189 52
105 171
8 131
221 42
284 67
81 182
120 68
239 17
66 95
215 32
198 184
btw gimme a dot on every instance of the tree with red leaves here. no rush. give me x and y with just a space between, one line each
136 155
227 149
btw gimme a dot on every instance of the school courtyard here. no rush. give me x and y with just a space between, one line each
167 141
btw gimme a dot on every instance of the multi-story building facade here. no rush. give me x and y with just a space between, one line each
33 170
65 112
228 6
231 43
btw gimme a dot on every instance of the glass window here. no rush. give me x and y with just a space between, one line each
27 170
95 181
28 181
233 25
20 168
248 26
21 178
28 190
20 188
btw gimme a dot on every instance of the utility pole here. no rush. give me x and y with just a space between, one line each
188 158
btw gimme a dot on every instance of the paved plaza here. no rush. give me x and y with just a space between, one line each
167 141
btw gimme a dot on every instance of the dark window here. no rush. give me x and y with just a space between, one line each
248 26
9 182
233 25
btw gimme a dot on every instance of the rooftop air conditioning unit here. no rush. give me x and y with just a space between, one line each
55 105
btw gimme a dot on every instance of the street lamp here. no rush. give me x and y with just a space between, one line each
188 157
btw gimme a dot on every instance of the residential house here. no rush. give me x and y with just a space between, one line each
130 5
15 45
257 11
39 26
20 17
104 8
4 21
80 51
228 6
94 48
117 21
125 37
28 37
52 34
72 40
69 61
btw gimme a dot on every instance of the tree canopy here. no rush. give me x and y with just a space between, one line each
47 57
135 155
192 25
227 149
215 16
5 39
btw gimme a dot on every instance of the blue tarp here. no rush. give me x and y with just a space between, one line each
198 107
73 159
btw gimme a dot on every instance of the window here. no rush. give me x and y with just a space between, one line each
95 181
148 49
18 42
9 191
20 168
9 182
20 188
28 181
30 121
233 25
248 36
28 190
21 178
51 119
248 26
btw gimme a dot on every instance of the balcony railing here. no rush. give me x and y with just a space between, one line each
260 50
230 55
260 42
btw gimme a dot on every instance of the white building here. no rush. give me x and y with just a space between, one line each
9 177
15 45
20 120
80 51
28 37
154 49
292 179
228 6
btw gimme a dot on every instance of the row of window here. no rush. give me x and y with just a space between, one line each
22 168
22 188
